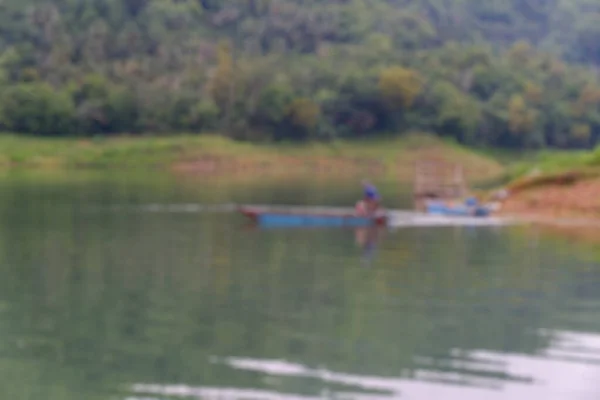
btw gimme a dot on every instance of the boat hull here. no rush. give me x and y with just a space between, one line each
436 208
282 218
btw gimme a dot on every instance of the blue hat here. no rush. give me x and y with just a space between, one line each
471 201
371 192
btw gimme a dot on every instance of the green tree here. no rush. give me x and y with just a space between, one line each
503 73
37 108
304 113
399 86
521 118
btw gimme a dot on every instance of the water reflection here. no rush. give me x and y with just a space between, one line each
112 304
559 372
367 240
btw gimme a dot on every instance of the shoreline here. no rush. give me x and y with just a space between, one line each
562 201
565 204
207 155
555 197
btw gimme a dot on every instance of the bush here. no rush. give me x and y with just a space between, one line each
38 109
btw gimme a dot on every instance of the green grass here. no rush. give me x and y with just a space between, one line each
546 164
531 169
143 151
396 153
71 152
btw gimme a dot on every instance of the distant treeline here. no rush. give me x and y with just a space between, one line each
510 73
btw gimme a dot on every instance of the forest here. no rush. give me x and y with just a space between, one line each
496 73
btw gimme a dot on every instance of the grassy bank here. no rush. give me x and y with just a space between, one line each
548 163
552 168
217 155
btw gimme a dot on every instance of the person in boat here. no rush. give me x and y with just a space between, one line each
371 201
360 209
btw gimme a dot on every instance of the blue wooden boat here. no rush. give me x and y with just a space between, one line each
274 217
470 208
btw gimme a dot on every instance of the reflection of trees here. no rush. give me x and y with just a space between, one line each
92 300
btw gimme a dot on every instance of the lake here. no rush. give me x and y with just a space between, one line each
128 287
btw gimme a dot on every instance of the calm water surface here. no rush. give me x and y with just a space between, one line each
102 297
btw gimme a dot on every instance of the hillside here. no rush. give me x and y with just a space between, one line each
510 73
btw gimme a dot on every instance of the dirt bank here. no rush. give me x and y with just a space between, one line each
376 162
563 207
564 199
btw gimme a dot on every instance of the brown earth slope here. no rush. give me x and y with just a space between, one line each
578 199
565 208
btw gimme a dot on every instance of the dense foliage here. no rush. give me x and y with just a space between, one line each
517 73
